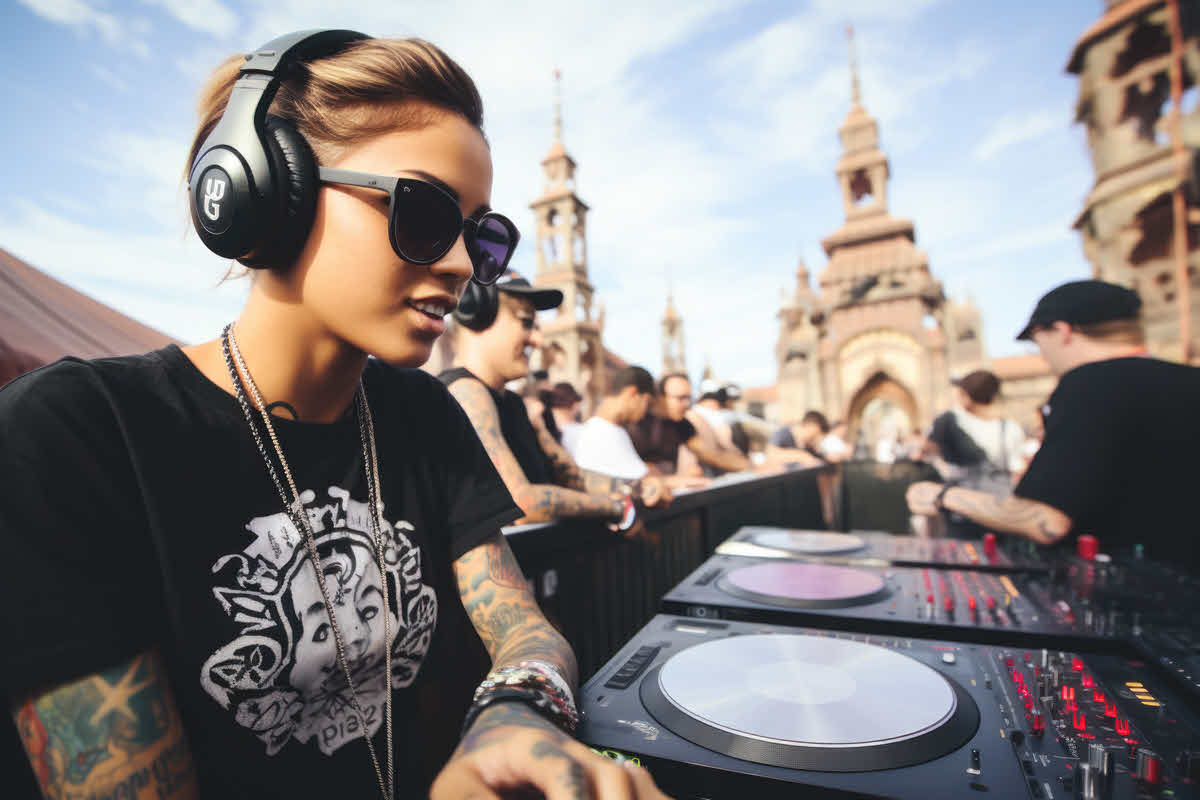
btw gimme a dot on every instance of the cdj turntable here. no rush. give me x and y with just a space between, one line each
966 605
717 709
873 548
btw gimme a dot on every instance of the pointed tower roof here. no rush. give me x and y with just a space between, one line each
557 149
671 314
872 241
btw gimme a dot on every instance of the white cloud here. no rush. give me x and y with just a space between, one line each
1014 129
208 16
83 17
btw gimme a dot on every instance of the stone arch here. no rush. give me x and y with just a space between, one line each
881 401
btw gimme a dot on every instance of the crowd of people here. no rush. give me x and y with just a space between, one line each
239 561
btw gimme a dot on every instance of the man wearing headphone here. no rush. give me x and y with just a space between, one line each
496 332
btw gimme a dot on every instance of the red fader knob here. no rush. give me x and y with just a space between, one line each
1087 546
1037 724
1148 766
989 546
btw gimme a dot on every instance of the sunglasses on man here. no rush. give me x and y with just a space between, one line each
424 222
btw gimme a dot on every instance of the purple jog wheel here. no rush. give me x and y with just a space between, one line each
794 584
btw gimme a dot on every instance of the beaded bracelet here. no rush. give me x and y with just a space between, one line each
530 685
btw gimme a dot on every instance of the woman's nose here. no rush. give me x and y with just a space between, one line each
455 264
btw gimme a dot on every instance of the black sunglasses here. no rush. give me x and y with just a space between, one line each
424 222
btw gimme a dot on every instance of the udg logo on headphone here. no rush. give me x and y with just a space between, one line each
216 213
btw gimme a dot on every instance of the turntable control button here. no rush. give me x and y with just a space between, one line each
948 658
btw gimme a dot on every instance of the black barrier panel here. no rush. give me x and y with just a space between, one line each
872 494
599 588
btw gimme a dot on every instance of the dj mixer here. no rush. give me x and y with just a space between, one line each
718 709
874 548
966 605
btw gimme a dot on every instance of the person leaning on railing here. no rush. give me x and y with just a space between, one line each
1122 431
496 329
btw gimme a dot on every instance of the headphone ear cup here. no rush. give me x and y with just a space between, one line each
294 170
477 307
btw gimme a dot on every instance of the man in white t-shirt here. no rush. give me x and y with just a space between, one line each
603 445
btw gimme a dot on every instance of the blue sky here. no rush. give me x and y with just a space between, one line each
705 131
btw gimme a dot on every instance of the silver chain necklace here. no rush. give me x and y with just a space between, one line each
294 508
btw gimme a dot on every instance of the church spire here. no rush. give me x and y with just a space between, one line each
558 132
855 93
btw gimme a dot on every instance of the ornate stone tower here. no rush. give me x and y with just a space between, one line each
1140 223
674 356
796 351
881 348
574 351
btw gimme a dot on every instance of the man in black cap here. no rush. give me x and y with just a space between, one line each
495 332
1122 431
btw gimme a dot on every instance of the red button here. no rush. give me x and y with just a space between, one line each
1087 547
949 603
1087 681
1077 663
1122 727
989 545
1098 696
1110 709
1038 723
1079 721
971 602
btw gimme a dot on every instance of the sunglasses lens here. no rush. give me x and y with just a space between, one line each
493 246
425 222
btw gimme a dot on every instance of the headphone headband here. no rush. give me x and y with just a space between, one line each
236 149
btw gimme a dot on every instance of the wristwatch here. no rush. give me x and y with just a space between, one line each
939 502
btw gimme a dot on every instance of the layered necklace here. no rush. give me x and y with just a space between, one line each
294 508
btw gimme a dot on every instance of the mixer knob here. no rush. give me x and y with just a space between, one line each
1101 759
1148 766
989 546
1037 724
1087 546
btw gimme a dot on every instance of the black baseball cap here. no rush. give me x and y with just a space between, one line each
542 299
1083 303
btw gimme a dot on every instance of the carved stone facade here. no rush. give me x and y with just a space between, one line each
1144 207
573 349
877 342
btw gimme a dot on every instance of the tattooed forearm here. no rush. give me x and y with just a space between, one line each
113 734
504 612
1042 523
504 715
540 502
566 473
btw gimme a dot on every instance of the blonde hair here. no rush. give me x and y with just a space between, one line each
372 87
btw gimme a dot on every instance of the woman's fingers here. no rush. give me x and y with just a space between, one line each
460 781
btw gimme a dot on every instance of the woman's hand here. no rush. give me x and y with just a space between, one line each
511 749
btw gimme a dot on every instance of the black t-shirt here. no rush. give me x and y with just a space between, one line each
1119 455
138 512
515 426
657 440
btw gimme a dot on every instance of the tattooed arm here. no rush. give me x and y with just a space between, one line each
1035 520
539 501
505 613
113 734
510 746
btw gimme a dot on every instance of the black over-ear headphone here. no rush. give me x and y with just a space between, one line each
478 306
253 185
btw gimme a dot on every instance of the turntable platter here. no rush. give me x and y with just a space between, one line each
810 702
799 585
809 543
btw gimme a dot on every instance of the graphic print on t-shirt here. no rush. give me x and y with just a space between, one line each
280 676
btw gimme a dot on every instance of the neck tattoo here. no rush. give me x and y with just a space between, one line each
285 406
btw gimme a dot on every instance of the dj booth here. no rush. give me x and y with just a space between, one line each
744 647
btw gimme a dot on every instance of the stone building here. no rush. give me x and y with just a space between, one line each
573 348
1140 223
876 342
